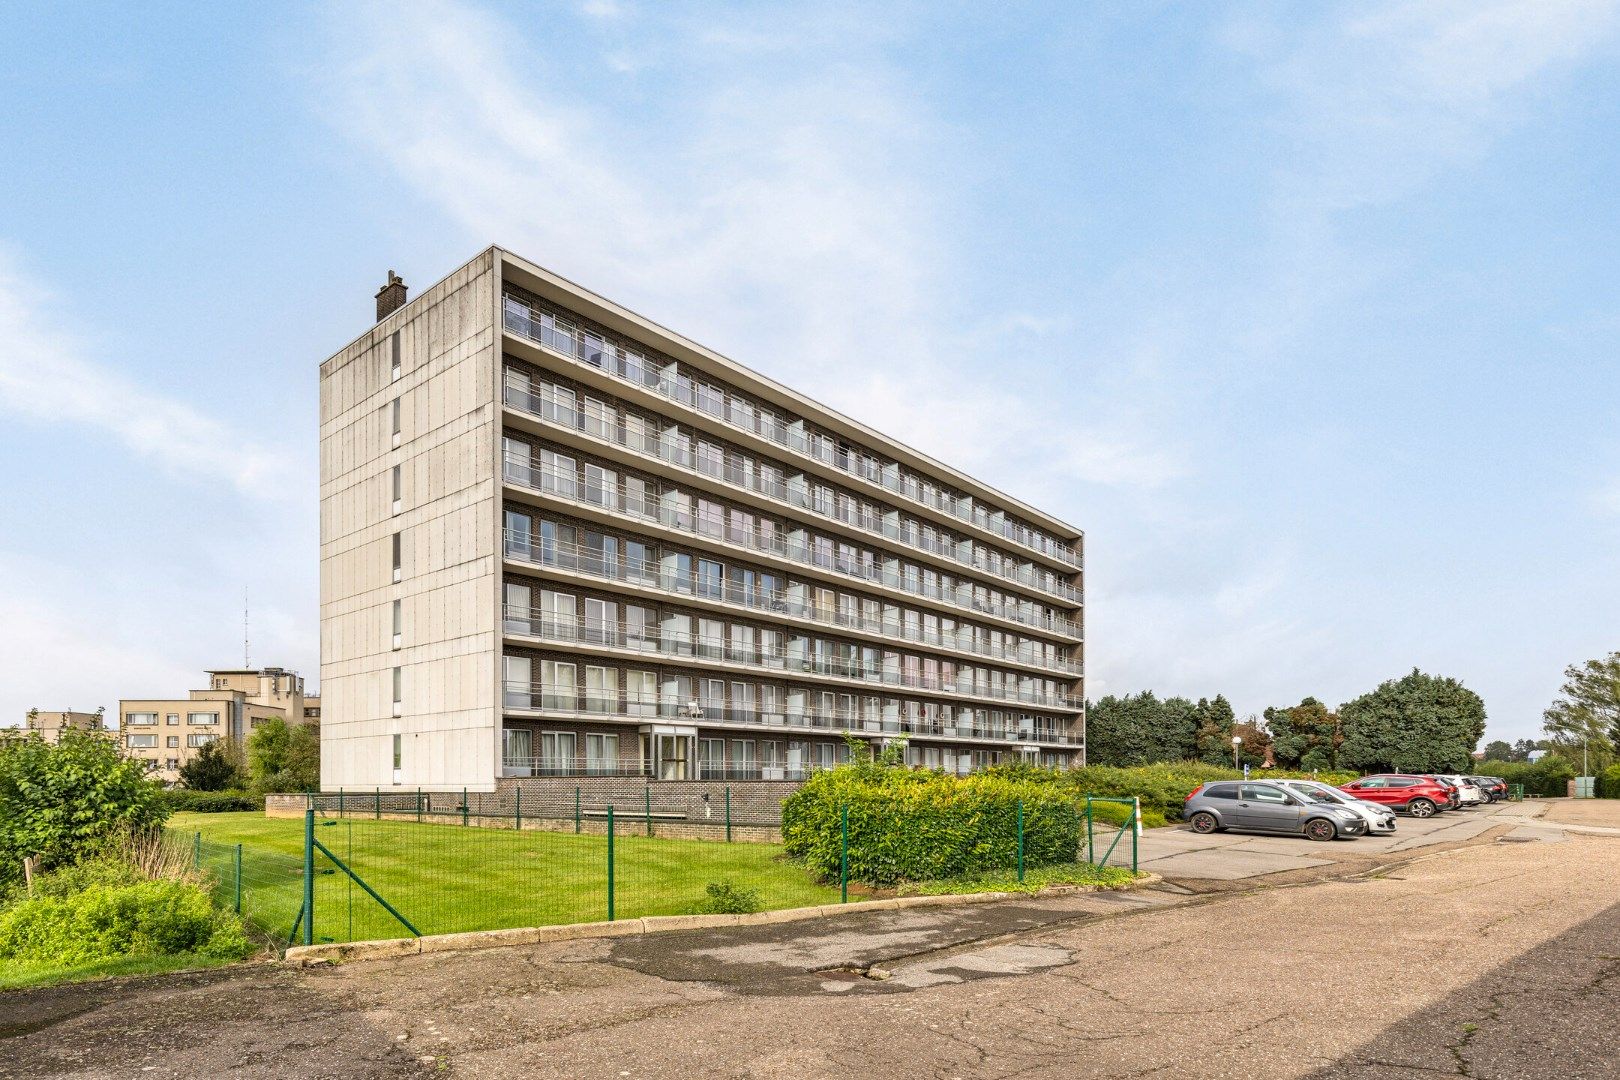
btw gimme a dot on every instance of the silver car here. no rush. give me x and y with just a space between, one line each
1380 819
1268 807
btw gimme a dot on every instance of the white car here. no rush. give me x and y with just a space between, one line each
1468 793
1380 819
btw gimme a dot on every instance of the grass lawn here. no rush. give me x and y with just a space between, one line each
446 878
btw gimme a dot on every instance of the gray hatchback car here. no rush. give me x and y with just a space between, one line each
1262 807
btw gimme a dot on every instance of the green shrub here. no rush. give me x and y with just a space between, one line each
724 898
1163 788
211 802
1548 777
106 921
64 802
1608 783
919 826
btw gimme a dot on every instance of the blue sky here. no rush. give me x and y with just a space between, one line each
1305 313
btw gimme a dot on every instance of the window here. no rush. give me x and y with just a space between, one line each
399 488
394 411
172 742
601 621
393 349
399 691
398 754
1221 791
398 557
142 741
169 763
711 758
710 578
202 718
1263 793
558 686
516 681
601 689
140 719
172 719
640 692
601 754
199 738
399 621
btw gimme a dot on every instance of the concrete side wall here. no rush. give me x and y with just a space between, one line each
449 437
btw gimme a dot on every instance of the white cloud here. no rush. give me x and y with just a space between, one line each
46 375
795 220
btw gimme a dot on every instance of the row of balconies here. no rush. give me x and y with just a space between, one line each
664 378
605 425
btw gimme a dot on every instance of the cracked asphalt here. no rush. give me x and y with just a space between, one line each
1495 959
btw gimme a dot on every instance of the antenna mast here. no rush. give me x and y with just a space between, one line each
246 661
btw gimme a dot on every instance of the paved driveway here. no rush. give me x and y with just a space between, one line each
1184 857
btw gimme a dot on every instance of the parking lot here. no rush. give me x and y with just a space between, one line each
1192 860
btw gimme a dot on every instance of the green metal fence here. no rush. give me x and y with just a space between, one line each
363 869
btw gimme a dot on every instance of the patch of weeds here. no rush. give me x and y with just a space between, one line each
1035 879
724 898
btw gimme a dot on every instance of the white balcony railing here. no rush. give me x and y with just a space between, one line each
661 641
524 547
604 424
626 498
622 705
655 376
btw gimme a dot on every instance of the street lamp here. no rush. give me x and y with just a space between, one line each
1237 743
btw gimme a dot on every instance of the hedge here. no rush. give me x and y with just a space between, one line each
1163 788
107 921
921 826
211 802
1608 783
1548 777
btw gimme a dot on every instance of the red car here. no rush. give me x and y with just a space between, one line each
1417 795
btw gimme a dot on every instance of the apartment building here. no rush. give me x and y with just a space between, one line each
168 732
50 725
559 539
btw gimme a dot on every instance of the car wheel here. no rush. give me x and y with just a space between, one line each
1420 808
1320 829
1204 822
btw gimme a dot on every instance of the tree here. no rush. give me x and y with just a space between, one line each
212 769
284 757
1306 736
1417 723
1213 741
63 801
1584 721
1139 729
1500 750
1255 750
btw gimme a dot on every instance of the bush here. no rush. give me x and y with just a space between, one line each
1608 783
111 919
724 898
211 802
919 826
1162 788
64 802
1548 777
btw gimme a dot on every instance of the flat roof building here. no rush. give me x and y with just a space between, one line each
168 732
559 539
50 725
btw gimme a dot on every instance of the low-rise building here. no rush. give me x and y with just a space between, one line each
167 732
50 725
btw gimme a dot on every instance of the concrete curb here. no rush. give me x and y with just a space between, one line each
305 955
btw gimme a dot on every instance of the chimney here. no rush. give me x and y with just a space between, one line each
391 297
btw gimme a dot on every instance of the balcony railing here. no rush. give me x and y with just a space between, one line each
598 422
535 697
658 641
537 551
631 501
548 765
653 376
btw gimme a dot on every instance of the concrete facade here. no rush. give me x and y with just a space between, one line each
558 539
50 725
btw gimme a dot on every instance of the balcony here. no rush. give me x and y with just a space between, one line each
655 642
622 498
604 425
522 547
601 705
656 377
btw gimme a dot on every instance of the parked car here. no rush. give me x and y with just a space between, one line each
1468 793
1416 795
1271 808
1494 788
1453 798
1380 819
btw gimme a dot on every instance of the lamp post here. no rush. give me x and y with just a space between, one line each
1237 744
